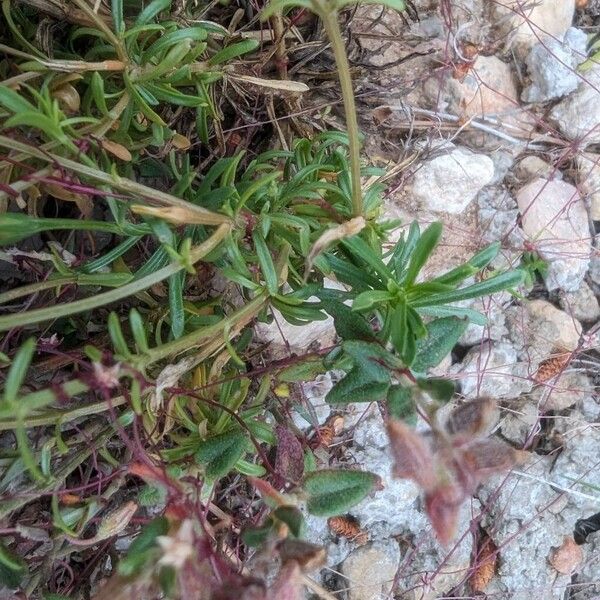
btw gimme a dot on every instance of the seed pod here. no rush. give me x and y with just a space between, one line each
551 367
485 565
348 527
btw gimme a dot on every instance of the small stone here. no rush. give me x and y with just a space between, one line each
555 220
370 570
567 557
518 422
568 389
567 329
524 25
488 89
532 167
582 304
552 67
588 177
448 183
491 369
577 116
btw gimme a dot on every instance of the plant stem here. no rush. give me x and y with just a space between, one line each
114 181
54 312
332 28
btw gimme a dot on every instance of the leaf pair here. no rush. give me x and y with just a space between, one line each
450 468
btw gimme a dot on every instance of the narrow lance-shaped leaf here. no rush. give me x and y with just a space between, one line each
483 288
421 252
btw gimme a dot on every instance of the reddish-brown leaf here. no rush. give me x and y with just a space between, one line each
412 456
289 460
288 585
308 556
442 505
486 457
472 419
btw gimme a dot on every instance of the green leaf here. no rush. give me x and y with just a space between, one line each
366 300
442 335
422 250
18 370
167 579
471 315
292 517
400 404
399 331
348 324
439 389
307 370
484 288
233 51
139 550
266 261
14 102
116 335
117 15
155 7
365 254
39 121
194 34
472 266
219 453
176 310
403 250
369 379
332 492
138 330
256 536
358 386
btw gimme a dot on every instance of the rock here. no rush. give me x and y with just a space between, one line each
370 570
491 369
448 183
567 557
577 116
567 389
497 215
284 338
555 220
488 89
552 67
567 329
588 177
532 167
493 308
518 520
525 24
582 304
518 423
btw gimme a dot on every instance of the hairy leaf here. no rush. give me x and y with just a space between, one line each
332 492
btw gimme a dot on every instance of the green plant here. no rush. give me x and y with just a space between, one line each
154 373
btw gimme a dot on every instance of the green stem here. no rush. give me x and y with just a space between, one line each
33 288
201 215
51 417
54 312
332 28
242 316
